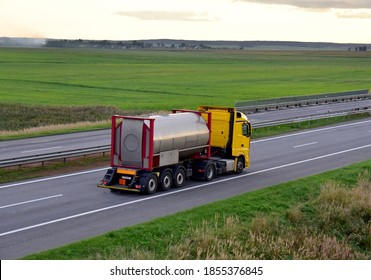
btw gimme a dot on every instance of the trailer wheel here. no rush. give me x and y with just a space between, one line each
209 172
166 180
240 165
179 177
151 185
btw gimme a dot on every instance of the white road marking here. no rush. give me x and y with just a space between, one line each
322 111
304 145
52 178
38 150
310 131
44 141
30 201
179 191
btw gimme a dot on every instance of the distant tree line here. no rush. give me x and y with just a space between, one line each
101 44
107 44
198 45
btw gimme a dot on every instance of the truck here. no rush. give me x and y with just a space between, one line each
163 151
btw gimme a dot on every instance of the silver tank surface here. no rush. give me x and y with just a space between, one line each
184 133
179 131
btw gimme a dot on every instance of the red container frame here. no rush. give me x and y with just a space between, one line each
151 140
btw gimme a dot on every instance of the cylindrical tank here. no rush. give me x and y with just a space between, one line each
182 131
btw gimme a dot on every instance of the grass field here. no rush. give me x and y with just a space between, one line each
158 80
326 216
145 81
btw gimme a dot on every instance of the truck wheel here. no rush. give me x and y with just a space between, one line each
179 177
166 180
240 165
151 185
209 172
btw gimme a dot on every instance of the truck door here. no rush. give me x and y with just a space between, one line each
241 141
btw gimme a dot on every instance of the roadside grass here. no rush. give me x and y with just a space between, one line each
326 216
54 130
22 121
15 117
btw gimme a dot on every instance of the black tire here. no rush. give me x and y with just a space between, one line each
166 180
179 177
209 172
240 165
151 185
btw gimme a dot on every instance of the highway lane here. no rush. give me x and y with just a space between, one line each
41 214
55 143
65 142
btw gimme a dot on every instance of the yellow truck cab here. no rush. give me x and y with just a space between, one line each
230 135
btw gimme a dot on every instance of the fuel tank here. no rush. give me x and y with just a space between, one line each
175 137
179 132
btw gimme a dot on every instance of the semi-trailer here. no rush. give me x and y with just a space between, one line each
161 152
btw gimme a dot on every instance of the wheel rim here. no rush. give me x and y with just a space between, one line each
239 165
210 173
152 184
180 178
166 183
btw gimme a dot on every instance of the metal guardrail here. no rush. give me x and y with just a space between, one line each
311 118
53 156
275 104
105 149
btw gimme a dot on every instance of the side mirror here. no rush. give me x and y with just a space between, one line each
246 129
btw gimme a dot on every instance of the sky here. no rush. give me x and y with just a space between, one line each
340 21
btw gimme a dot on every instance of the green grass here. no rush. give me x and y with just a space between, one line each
326 216
45 87
14 115
162 80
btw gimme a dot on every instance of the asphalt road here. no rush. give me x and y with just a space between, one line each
50 212
56 143
66 142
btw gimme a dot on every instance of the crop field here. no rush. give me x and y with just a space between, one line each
145 81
